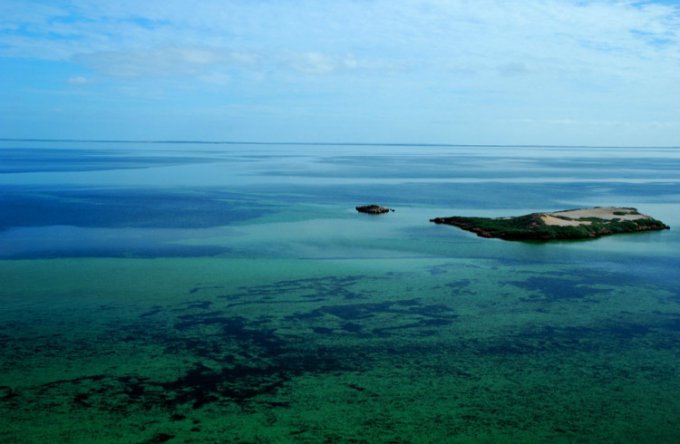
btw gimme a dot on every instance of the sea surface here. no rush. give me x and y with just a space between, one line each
225 292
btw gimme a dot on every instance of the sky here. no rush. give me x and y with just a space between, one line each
554 72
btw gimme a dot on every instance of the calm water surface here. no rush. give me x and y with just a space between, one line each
230 293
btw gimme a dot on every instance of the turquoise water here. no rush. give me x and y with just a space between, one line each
230 293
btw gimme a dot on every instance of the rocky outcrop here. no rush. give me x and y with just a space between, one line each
373 209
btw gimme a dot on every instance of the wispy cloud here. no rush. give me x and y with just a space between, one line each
406 61
78 80
165 61
313 36
319 64
596 123
210 63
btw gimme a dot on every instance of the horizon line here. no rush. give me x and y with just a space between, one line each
289 143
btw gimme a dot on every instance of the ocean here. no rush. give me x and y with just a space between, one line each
228 292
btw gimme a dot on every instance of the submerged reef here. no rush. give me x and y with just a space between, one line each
586 223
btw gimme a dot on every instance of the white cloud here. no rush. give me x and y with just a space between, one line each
312 63
78 80
215 78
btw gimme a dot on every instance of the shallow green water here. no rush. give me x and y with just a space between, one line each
232 294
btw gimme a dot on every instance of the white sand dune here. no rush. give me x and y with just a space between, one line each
574 217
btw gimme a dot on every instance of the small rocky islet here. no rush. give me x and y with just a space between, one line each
373 209
583 223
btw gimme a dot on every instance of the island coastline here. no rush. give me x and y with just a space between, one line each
581 223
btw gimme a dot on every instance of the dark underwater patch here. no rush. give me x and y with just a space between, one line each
7 393
148 251
248 360
120 207
362 319
201 305
615 335
239 360
558 288
311 289
350 312
209 287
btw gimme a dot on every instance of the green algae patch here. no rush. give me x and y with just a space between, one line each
560 225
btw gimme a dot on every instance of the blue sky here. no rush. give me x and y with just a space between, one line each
439 71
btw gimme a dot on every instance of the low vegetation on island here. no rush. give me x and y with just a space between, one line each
585 223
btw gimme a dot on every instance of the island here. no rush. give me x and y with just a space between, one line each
373 209
584 223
